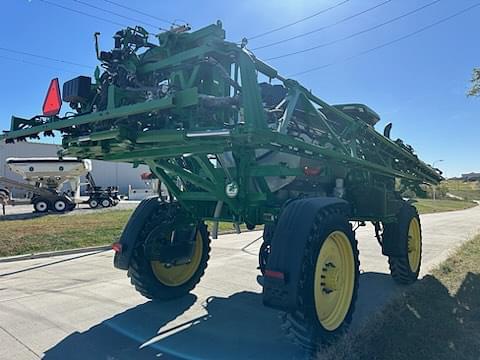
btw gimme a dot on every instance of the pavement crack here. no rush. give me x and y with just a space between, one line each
21 342
35 267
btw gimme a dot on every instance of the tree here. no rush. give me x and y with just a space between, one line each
475 90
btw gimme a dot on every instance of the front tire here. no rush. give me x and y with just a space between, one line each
158 281
329 282
407 232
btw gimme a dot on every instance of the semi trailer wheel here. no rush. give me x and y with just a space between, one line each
105 203
41 205
407 233
93 203
163 281
60 205
329 282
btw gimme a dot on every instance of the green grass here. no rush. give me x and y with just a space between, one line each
427 206
438 318
60 232
467 190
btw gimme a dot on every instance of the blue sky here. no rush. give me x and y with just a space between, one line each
419 84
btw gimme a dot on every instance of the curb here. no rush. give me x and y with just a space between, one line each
54 253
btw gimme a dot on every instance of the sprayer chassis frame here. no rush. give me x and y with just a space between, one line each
207 184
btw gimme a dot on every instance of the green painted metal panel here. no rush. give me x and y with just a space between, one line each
191 109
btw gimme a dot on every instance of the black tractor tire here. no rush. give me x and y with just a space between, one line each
61 205
93 203
401 269
105 202
263 254
141 271
265 248
304 326
41 205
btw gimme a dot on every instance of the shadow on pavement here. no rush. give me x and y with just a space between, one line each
122 336
375 290
236 327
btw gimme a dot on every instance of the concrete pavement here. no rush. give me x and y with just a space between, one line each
79 307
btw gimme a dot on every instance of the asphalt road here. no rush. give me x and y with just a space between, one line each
79 307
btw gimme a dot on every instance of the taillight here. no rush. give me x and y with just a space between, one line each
275 274
117 247
53 100
311 171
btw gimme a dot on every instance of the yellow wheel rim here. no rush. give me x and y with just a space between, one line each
178 275
414 244
334 280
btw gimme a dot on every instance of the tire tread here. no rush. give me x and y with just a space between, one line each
140 271
399 265
299 324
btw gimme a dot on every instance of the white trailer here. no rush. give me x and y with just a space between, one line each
45 178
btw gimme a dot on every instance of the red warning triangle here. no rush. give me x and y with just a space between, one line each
53 100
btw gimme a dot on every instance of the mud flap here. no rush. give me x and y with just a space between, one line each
284 265
132 230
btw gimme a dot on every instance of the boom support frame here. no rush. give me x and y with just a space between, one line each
192 110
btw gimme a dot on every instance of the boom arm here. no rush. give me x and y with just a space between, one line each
192 109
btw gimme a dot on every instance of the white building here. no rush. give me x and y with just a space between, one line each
105 173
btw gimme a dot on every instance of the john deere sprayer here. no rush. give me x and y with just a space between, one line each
231 148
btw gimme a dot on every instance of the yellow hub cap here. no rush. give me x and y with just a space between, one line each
334 280
170 275
414 244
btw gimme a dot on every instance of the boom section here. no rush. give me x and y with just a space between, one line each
222 128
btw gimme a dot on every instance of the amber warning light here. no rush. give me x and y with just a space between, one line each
53 100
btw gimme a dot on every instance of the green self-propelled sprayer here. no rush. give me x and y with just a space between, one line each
232 149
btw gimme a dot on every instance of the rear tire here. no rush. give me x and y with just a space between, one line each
265 248
105 203
152 278
93 203
408 233
328 285
263 255
60 205
41 205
